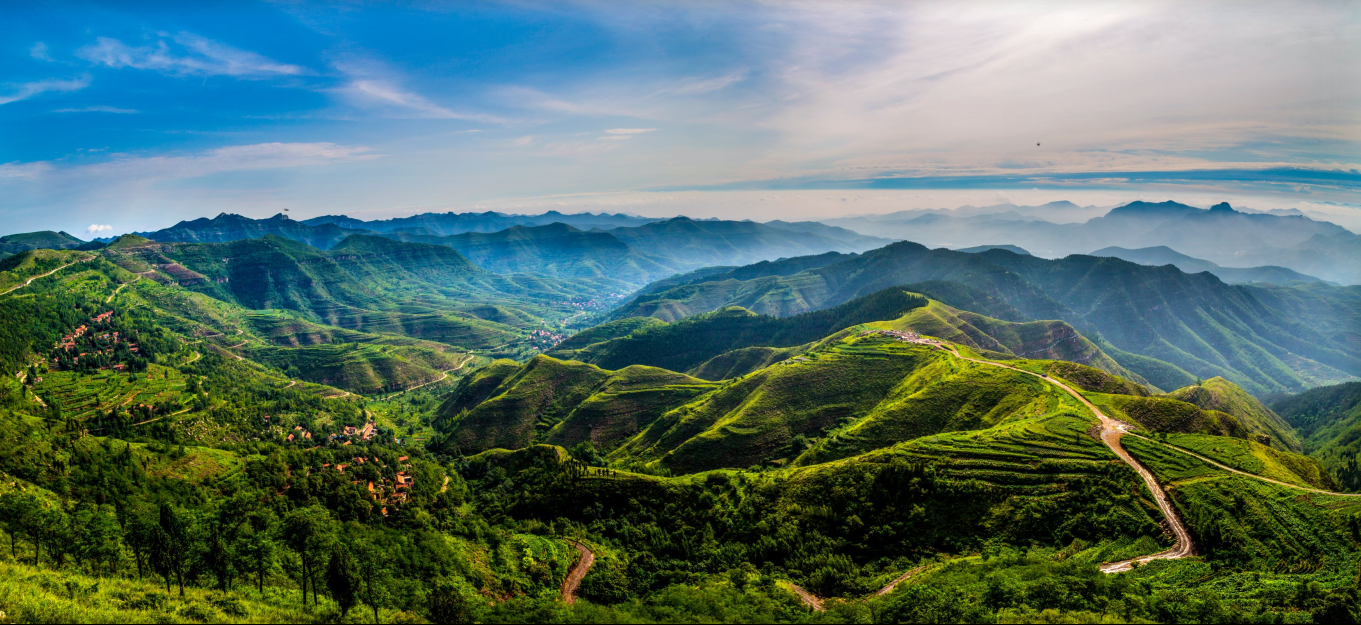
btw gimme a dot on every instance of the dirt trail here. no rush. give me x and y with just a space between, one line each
1244 473
30 280
815 602
812 600
578 572
1111 431
120 288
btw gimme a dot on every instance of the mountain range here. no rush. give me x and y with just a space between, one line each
1167 326
1219 234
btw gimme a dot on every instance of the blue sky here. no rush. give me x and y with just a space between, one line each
134 116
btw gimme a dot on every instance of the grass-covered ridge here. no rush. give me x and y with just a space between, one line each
687 344
509 406
1167 326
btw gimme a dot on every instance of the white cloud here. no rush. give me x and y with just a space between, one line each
39 51
97 228
629 131
190 55
99 108
24 91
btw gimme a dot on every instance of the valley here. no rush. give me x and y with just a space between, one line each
507 425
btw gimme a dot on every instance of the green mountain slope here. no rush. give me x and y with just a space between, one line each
851 395
995 338
1225 396
368 284
1329 420
1158 322
46 239
548 400
686 344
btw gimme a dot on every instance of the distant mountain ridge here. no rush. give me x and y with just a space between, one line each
1220 234
1163 255
636 253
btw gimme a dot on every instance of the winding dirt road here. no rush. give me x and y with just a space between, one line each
578 572
1111 431
30 280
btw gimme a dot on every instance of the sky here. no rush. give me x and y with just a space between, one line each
132 116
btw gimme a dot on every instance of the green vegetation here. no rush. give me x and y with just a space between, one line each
566 403
1224 396
1329 420
687 344
1256 458
202 478
1157 322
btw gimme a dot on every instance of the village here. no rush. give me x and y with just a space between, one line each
100 348
384 486
907 336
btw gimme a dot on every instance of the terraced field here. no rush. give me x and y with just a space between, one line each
80 396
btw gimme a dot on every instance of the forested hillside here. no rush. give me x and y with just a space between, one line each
1169 327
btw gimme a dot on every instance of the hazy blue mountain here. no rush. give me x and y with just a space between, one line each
226 227
555 249
704 242
1219 234
1163 255
443 224
984 248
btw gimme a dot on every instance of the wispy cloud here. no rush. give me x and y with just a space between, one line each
370 86
24 91
186 54
700 86
629 131
39 51
98 228
98 108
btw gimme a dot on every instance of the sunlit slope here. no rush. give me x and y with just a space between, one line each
1040 340
1033 481
948 395
689 343
1225 396
282 341
547 400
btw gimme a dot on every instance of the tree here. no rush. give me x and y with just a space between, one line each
372 565
16 516
307 531
172 546
141 533
257 550
96 535
446 604
342 581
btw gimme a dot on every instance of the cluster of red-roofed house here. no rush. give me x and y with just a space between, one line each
396 492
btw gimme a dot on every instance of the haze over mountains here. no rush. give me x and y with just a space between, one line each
1219 234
